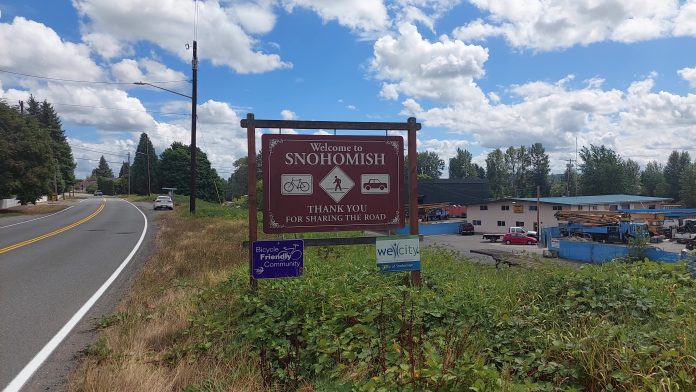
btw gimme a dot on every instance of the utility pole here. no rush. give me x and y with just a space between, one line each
21 107
55 178
147 148
538 222
129 170
194 97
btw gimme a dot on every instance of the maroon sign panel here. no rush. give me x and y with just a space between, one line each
327 183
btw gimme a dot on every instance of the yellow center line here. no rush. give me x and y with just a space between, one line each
55 232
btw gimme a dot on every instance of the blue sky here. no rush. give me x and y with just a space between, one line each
478 74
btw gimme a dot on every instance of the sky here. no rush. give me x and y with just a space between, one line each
478 74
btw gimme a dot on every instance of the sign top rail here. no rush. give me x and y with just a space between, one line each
251 122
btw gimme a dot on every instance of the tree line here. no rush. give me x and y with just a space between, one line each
518 171
150 172
35 157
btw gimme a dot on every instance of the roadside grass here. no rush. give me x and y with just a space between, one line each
33 210
191 323
135 346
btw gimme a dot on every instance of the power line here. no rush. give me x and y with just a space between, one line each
121 109
97 160
99 151
83 81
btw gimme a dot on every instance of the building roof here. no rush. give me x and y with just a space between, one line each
454 191
599 199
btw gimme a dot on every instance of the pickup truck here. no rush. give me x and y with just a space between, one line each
513 229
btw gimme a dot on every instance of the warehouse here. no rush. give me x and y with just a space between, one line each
497 215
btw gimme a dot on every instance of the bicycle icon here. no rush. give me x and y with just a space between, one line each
293 253
296 184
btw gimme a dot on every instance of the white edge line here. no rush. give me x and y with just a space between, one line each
18 382
35 219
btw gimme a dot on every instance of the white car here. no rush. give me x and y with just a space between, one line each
164 202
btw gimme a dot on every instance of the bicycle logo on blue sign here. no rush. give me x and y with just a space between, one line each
277 259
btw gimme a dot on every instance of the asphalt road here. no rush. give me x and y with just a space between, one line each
52 270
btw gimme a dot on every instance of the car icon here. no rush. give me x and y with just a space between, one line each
374 183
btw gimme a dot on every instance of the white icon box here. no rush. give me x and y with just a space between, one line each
296 184
374 184
337 184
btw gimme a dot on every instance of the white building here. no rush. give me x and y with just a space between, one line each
497 215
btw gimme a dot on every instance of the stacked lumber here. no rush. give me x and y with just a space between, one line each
591 218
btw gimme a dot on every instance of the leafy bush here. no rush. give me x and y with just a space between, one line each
346 326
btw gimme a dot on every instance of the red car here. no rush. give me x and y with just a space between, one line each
519 238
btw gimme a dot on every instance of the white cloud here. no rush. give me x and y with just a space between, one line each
555 24
106 45
31 47
288 114
125 22
425 12
689 74
106 109
685 23
358 15
148 70
413 66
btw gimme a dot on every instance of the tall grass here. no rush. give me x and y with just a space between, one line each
191 322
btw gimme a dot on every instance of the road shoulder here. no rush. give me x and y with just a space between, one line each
52 376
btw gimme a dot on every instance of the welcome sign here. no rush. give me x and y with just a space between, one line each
398 253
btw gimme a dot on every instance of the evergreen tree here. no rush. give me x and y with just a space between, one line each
62 153
480 171
144 179
460 166
676 163
103 170
24 145
176 172
61 156
124 170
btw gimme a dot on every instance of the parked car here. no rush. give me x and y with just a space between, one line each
163 202
98 193
519 238
466 228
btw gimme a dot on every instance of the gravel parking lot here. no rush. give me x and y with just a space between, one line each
464 245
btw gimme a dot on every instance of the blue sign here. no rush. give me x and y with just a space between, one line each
398 253
277 259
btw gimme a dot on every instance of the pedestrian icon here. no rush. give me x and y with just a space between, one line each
337 184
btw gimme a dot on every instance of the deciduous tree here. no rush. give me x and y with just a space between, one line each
175 172
540 169
676 163
653 180
687 182
429 165
498 174
460 166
